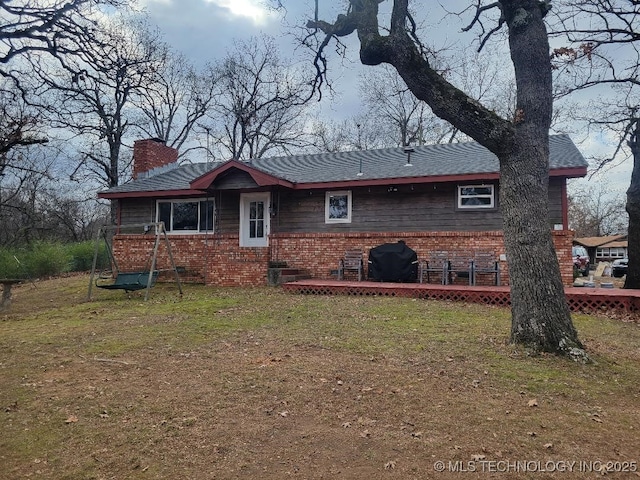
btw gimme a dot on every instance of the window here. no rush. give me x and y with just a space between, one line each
186 216
475 196
337 207
613 252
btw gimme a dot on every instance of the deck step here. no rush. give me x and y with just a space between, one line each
294 277
278 276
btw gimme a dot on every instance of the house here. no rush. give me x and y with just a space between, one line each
229 221
604 249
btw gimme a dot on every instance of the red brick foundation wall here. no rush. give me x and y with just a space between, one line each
320 253
218 260
214 260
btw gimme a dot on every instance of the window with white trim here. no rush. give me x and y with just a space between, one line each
611 252
476 196
186 216
337 207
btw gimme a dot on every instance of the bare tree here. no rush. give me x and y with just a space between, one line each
38 27
91 92
261 104
20 126
176 100
602 56
540 314
20 193
409 120
360 132
406 119
596 212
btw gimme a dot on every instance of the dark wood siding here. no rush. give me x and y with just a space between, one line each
384 209
234 180
406 208
137 210
228 211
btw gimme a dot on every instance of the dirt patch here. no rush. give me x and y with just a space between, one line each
319 388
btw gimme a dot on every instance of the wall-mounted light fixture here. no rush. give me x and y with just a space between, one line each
408 149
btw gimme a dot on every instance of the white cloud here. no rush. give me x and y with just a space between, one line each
245 8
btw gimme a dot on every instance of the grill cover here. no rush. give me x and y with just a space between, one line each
393 262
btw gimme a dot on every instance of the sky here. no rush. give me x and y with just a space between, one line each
205 30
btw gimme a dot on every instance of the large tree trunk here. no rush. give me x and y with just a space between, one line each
540 315
633 209
541 318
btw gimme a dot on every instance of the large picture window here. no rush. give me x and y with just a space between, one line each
186 216
337 207
476 196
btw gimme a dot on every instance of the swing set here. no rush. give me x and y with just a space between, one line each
135 280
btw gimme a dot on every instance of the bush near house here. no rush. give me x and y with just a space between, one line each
46 259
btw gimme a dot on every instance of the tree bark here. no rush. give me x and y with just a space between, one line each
541 319
540 314
633 209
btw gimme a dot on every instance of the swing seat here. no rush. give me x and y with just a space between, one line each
131 281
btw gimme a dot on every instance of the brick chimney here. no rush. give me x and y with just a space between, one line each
151 153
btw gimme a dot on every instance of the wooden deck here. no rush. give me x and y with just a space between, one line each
580 299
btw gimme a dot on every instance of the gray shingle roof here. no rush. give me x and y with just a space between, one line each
426 161
173 179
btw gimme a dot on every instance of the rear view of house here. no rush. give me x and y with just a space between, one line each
229 221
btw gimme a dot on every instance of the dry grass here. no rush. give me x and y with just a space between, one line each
260 384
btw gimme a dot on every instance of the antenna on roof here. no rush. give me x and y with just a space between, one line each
208 132
408 149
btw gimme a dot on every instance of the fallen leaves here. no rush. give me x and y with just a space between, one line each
71 419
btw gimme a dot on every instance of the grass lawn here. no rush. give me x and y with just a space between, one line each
259 384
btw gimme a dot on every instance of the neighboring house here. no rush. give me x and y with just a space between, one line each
604 249
228 221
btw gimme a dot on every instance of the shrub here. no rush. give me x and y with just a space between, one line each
45 259
9 266
82 255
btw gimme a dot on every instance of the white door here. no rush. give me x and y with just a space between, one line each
254 219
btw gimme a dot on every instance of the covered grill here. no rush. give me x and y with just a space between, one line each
393 262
